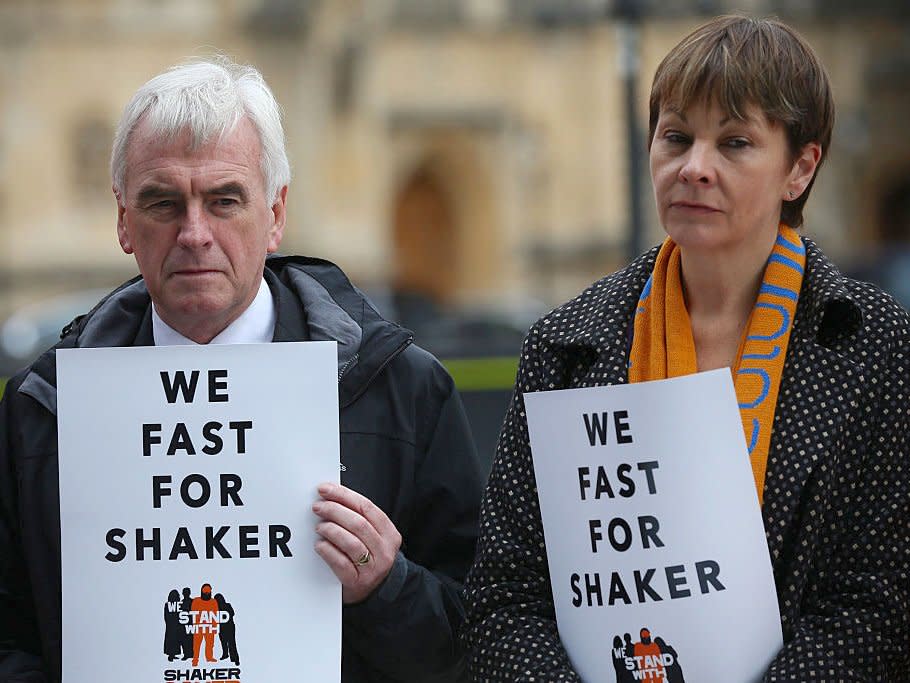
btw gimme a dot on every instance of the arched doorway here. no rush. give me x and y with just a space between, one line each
425 241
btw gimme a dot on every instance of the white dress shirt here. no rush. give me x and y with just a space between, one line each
256 325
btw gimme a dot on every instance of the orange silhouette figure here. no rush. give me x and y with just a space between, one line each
654 666
205 616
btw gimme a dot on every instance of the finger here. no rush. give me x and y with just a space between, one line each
338 562
348 519
342 539
360 504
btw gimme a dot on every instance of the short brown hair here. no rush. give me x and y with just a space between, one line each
739 61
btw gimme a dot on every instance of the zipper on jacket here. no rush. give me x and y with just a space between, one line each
407 342
344 368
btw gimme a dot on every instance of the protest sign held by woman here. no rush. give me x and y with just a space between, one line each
741 115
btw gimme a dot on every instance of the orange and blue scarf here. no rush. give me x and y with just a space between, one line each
663 345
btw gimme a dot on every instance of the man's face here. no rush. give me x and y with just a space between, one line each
199 225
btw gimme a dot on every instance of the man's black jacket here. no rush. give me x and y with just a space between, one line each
405 445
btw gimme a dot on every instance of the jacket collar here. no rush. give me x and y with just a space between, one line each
314 300
826 311
596 317
334 309
594 329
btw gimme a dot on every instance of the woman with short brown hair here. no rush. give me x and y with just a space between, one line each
740 121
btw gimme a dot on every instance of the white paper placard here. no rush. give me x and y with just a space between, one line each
651 521
214 471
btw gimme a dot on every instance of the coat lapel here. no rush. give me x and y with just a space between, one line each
821 390
592 333
805 440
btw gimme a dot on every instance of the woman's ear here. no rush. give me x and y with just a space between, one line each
803 170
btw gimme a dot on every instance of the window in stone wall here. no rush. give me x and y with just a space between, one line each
90 145
423 13
346 67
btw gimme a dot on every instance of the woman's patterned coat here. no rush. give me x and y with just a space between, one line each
837 488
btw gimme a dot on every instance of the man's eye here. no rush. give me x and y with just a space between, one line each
163 205
226 202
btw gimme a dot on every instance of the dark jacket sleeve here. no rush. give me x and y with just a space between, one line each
407 627
20 650
510 632
855 625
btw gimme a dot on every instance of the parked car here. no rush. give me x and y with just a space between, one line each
37 326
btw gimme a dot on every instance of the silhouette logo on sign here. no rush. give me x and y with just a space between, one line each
650 659
191 625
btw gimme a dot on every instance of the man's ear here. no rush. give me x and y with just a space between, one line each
279 218
803 170
123 235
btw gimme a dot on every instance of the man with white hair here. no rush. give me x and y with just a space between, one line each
200 175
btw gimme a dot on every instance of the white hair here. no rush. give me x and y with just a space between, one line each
206 97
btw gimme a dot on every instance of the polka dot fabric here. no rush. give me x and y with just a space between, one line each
836 490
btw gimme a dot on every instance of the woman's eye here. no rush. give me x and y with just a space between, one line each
675 138
737 143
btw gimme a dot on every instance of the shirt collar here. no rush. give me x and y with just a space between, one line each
256 325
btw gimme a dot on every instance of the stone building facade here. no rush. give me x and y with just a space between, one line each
473 151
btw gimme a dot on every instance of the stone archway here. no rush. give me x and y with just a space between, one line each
425 239
445 222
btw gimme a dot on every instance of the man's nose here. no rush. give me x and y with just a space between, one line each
699 164
195 230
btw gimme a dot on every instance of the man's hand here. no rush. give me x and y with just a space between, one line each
358 541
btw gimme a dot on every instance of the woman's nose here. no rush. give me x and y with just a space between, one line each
698 165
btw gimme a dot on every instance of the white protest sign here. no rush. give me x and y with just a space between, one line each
187 475
656 547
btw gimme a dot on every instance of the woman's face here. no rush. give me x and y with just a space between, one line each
719 182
